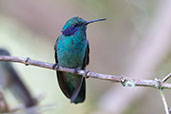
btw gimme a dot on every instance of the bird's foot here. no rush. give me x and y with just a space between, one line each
85 74
77 69
55 66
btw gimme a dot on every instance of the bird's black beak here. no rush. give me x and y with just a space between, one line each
96 20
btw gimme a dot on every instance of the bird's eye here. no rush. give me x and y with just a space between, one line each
75 25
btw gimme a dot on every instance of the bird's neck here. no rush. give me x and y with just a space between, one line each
80 34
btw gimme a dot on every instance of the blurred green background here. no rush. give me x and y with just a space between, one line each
125 44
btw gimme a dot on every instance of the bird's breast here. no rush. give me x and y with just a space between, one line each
71 52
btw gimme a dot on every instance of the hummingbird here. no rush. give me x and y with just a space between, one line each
72 51
10 79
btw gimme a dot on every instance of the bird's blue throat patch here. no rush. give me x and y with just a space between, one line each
69 31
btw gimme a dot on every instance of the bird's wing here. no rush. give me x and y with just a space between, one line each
60 75
55 48
86 58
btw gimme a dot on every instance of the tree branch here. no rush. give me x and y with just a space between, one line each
164 101
166 78
126 81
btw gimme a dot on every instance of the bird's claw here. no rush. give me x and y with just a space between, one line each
76 70
85 74
55 66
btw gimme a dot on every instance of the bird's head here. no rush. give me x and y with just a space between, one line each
76 23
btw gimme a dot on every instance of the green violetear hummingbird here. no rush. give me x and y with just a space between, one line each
72 51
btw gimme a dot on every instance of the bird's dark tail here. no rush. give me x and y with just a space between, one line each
78 95
74 92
